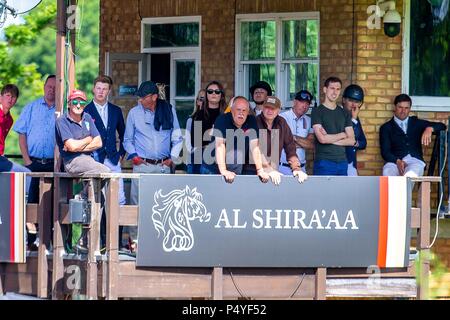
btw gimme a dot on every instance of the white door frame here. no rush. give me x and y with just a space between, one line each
183 56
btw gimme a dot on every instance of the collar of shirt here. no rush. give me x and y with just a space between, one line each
43 102
99 106
83 117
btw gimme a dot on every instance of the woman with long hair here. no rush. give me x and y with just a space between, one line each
191 167
213 106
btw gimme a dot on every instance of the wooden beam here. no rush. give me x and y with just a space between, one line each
112 238
321 284
423 240
94 238
217 284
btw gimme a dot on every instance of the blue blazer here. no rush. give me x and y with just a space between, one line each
395 144
360 137
116 123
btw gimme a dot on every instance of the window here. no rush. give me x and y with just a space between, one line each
427 54
281 49
170 34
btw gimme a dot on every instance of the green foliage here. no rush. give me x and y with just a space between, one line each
28 54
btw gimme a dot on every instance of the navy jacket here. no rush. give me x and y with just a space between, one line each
362 143
116 123
395 144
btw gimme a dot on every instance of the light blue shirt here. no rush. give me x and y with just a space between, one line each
142 139
37 123
403 124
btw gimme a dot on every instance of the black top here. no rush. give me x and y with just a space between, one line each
206 122
237 153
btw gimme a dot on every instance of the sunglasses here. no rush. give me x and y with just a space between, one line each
305 96
80 102
217 91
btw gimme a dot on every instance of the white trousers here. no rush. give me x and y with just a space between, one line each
414 167
351 170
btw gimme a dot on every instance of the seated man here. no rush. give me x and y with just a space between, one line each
401 139
275 136
238 127
77 137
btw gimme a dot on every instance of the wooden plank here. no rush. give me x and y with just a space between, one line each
217 284
112 238
415 218
60 192
374 287
44 217
32 212
423 240
321 284
128 215
94 237
2 281
269 283
363 272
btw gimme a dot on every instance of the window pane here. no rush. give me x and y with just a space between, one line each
257 72
185 78
184 109
171 35
429 53
302 76
301 39
258 40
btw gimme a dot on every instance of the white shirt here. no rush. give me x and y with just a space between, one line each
300 127
103 112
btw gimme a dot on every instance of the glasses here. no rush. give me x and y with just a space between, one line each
80 102
201 98
217 91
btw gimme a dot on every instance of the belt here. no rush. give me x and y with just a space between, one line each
287 165
154 161
42 160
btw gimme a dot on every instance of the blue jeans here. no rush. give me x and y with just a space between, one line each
206 169
330 168
193 168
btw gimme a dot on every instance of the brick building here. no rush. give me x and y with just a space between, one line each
196 41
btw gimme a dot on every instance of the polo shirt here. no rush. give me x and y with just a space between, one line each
6 122
67 128
237 141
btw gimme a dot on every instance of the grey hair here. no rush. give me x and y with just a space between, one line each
233 101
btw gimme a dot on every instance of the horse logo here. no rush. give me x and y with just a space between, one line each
172 216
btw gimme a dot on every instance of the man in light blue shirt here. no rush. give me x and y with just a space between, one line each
152 135
36 129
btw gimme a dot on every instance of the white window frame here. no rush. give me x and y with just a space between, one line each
171 20
280 79
420 103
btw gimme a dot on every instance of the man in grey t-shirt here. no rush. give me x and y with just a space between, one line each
334 131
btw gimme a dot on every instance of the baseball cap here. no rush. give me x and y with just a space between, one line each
146 88
77 94
272 102
303 95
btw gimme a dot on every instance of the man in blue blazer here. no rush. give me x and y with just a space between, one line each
109 121
401 140
352 101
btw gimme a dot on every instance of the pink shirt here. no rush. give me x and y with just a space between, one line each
6 122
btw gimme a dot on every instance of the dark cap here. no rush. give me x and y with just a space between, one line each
146 88
303 95
263 85
354 92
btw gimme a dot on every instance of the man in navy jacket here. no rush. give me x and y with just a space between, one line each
352 101
401 140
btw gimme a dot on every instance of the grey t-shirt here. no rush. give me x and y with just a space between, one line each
333 121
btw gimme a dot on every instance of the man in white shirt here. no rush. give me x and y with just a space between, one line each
300 125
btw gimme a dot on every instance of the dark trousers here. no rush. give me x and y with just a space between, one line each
33 194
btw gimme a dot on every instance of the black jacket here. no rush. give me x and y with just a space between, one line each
395 144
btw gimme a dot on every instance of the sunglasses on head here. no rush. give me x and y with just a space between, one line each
305 96
80 102
211 91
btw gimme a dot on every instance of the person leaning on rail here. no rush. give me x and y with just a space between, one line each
275 136
233 160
